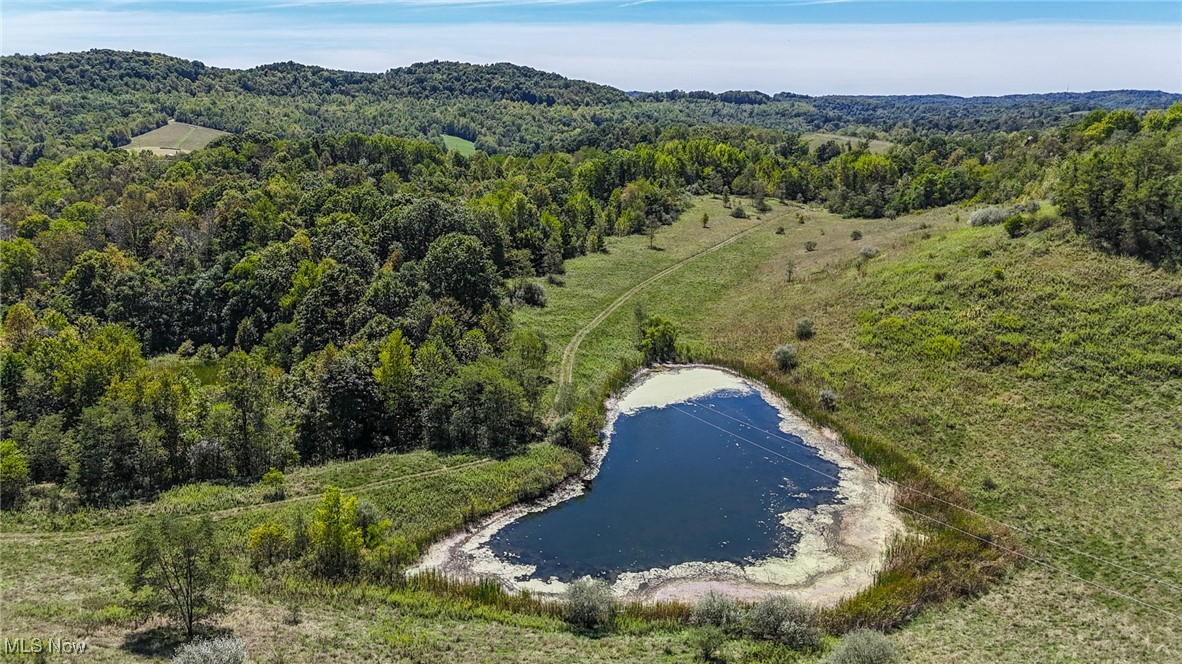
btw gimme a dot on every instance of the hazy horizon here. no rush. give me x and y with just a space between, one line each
812 47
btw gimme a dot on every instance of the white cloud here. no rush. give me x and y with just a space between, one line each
991 58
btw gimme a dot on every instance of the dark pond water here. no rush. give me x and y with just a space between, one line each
673 489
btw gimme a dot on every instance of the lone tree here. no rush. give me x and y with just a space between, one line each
790 269
179 562
705 219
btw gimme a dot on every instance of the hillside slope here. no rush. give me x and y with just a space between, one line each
63 102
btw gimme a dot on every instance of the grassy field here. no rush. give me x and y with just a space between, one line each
461 145
174 138
817 138
1041 377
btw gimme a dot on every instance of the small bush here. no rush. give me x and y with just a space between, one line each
804 329
779 230
738 212
828 399
785 357
206 353
717 610
268 544
275 484
222 650
864 646
589 604
186 349
990 216
868 252
1015 226
786 621
707 642
810 246
856 235
531 294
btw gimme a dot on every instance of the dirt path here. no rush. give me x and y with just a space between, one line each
219 515
567 367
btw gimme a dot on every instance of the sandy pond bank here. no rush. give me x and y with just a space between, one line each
841 545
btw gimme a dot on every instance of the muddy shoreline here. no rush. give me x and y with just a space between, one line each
840 549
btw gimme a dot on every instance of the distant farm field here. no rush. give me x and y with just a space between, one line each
175 138
461 145
817 138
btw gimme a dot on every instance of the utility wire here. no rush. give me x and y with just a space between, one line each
1044 563
1025 531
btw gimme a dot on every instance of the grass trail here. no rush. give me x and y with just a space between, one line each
566 368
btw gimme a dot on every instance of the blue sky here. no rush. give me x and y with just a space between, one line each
812 46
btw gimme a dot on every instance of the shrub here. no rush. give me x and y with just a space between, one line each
738 212
856 235
268 544
810 246
828 399
334 536
780 230
186 349
275 484
868 252
990 216
658 340
14 471
1015 225
206 353
804 329
222 650
707 642
715 609
864 646
589 604
785 357
531 294
785 620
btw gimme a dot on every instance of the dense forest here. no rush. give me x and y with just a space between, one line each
268 300
60 103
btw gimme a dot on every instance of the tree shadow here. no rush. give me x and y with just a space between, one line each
163 641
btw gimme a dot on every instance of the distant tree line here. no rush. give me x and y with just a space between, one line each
61 103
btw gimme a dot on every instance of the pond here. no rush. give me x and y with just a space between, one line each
702 480
705 481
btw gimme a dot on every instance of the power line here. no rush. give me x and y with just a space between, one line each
949 503
1044 563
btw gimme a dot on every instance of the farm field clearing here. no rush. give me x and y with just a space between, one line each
461 145
174 138
877 146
